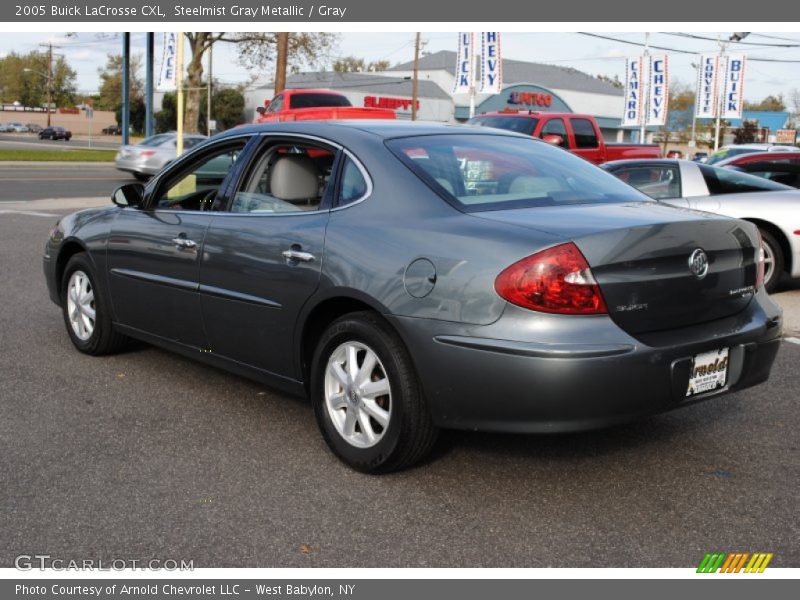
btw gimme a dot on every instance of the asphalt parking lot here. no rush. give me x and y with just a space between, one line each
147 454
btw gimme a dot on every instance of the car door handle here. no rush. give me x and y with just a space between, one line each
182 242
297 255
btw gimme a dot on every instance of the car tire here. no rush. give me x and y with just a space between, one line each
82 299
371 431
774 259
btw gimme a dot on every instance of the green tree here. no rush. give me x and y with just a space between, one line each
110 94
138 113
770 103
746 134
227 109
23 79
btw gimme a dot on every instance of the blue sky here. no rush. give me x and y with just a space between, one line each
86 52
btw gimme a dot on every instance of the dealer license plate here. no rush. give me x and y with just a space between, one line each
709 372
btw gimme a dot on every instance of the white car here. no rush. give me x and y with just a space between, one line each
736 149
772 206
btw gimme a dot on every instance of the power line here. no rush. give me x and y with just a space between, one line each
680 51
743 43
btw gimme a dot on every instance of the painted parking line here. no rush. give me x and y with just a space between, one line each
28 212
792 340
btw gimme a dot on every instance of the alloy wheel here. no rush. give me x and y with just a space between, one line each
81 305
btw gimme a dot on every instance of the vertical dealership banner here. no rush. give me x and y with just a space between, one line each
633 92
168 72
707 98
657 90
464 64
733 89
491 63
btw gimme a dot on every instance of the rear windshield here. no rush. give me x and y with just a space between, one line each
728 181
312 100
155 140
724 153
487 172
519 124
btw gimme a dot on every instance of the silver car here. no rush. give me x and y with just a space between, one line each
772 206
18 128
152 154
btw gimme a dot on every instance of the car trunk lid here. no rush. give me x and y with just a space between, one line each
649 259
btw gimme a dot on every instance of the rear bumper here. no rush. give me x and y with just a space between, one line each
571 374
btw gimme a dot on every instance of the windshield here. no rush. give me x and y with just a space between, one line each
519 124
495 172
724 153
729 181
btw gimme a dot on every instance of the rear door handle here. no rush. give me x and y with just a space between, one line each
297 255
182 242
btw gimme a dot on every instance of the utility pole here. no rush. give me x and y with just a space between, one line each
126 88
148 86
49 47
208 89
415 79
281 61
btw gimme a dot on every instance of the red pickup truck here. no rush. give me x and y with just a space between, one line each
315 105
579 134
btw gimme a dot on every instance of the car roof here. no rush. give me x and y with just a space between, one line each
381 128
757 156
646 161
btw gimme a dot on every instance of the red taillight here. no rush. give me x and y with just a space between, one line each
147 152
760 262
556 280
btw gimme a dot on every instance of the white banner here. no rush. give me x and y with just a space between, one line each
733 99
658 90
491 63
169 69
633 92
707 98
464 63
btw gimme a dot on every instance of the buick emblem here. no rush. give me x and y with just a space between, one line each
698 263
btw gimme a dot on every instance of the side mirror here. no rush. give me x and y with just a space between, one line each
130 195
555 140
261 110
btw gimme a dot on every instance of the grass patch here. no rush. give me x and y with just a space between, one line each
58 155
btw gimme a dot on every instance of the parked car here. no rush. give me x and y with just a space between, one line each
674 154
112 130
315 105
783 167
738 149
4 128
700 156
580 134
148 157
409 277
773 207
18 128
55 133
33 127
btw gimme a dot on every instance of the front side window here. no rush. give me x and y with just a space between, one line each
728 181
661 182
495 172
585 135
197 187
286 177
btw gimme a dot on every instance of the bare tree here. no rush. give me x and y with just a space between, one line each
256 51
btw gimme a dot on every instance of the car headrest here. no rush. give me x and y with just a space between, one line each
294 177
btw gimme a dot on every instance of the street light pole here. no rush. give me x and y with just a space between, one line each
415 80
693 142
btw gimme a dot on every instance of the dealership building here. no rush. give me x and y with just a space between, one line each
526 86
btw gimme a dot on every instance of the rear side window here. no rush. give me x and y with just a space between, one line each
494 172
352 184
728 181
519 124
585 136
314 100
661 182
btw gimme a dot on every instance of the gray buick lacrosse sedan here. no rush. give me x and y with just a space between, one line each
409 277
